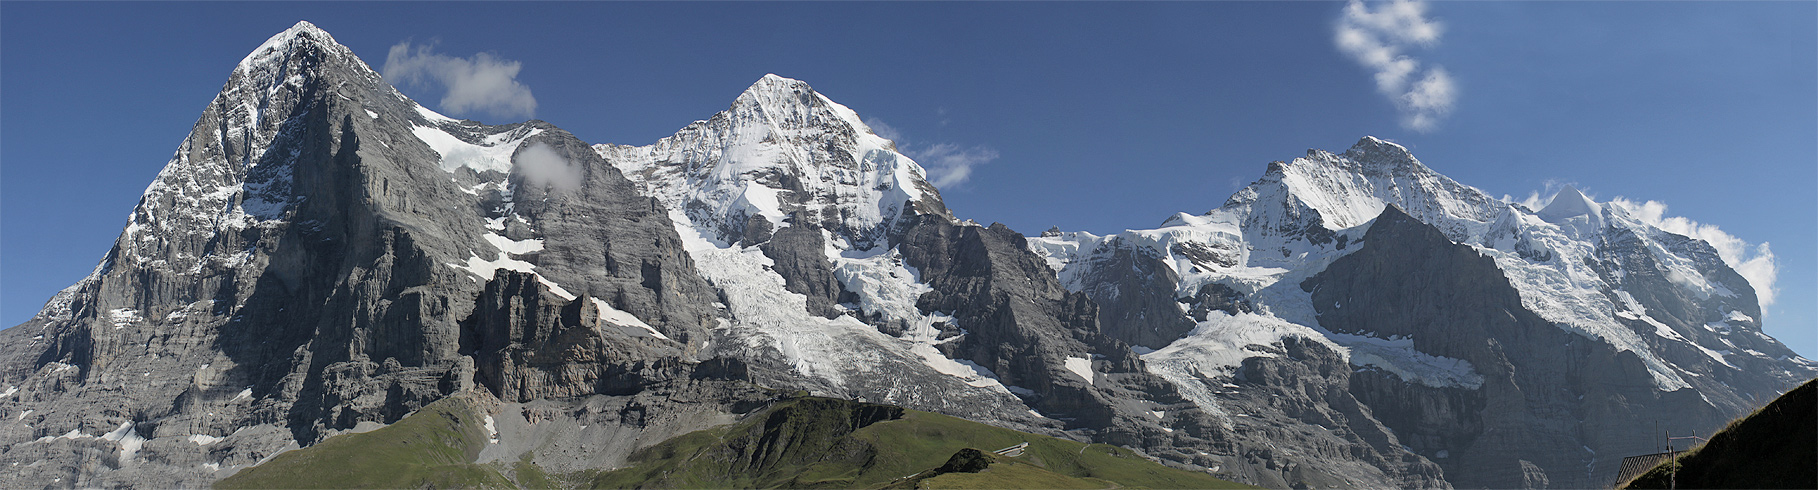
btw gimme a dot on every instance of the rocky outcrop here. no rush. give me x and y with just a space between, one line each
799 254
1019 322
1135 294
1305 427
529 344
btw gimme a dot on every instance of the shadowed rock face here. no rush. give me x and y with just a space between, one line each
1022 324
1547 394
1135 294
529 344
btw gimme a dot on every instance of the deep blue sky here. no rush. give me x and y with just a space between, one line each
1104 116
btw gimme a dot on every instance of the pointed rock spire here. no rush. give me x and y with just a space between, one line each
1569 203
297 37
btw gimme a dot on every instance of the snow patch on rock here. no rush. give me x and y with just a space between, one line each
1398 355
128 438
492 430
1081 367
628 323
491 154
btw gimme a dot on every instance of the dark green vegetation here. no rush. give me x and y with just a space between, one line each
1775 447
824 443
801 442
434 447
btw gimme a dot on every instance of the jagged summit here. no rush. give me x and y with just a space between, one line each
1372 144
791 104
774 83
1372 155
786 95
299 36
782 155
776 90
1342 190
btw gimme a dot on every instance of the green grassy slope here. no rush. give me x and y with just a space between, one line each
431 448
824 443
797 443
1775 447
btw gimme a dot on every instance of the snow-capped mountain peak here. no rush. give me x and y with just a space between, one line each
1570 203
286 42
1376 155
781 155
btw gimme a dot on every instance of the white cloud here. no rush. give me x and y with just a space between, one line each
543 166
947 163
1754 262
481 83
1538 200
884 130
1378 38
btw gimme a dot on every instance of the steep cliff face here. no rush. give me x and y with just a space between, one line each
1550 399
312 258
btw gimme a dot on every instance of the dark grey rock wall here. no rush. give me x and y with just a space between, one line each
1551 402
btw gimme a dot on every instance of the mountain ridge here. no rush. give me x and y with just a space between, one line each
288 279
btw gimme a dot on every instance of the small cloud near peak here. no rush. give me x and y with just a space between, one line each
482 83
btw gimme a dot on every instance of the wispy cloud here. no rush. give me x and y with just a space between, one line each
480 83
947 164
878 127
1379 38
543 166
1754 262
1537 200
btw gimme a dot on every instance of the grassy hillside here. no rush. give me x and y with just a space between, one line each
431 448
1775 447
824 443
797 443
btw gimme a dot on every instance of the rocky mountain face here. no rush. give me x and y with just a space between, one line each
1512 347
323 252
325 255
